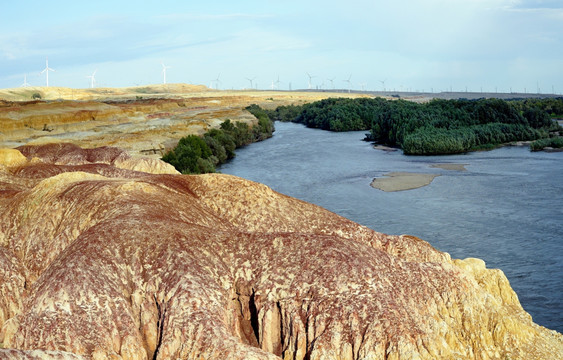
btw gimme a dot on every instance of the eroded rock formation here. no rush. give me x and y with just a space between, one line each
144 121
103 256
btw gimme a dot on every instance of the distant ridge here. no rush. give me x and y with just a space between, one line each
55 93
447 95
166 90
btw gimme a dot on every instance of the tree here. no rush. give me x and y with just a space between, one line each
185 156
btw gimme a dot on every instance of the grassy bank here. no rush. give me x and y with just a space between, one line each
202 154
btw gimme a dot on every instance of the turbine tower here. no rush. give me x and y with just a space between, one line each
25 83
278 82
310 78
92 79
46 71
251 80
383 83
217 82
331 82
349 83
164 67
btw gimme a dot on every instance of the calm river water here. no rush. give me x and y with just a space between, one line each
506 209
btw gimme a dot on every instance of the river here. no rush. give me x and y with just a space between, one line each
506 208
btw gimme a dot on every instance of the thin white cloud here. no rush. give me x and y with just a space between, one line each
214 17
8 55
555 14
413 41
259 40
536 4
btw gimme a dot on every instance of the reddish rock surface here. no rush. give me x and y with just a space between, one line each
102 258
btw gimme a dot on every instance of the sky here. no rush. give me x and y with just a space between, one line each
400 45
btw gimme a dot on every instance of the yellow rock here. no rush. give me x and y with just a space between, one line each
11 157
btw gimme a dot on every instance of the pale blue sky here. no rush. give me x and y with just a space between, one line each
410 44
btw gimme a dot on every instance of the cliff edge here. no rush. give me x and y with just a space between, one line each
104 256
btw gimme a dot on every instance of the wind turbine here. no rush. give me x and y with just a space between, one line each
278 82
164 67
92 79
349 83
331 82
363 85
217 82
383 83
46 70
251 80
25 83
310 78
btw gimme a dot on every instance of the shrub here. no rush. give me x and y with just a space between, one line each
554 142
436 127
198 155
226 141
187 154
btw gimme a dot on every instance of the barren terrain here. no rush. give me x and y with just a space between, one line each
145 120
104 256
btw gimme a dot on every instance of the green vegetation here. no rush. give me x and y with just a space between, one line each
35 96
553 142
144 90
436 127
334 114
191 156
433 141
552 106
265 127
199 155
285 113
